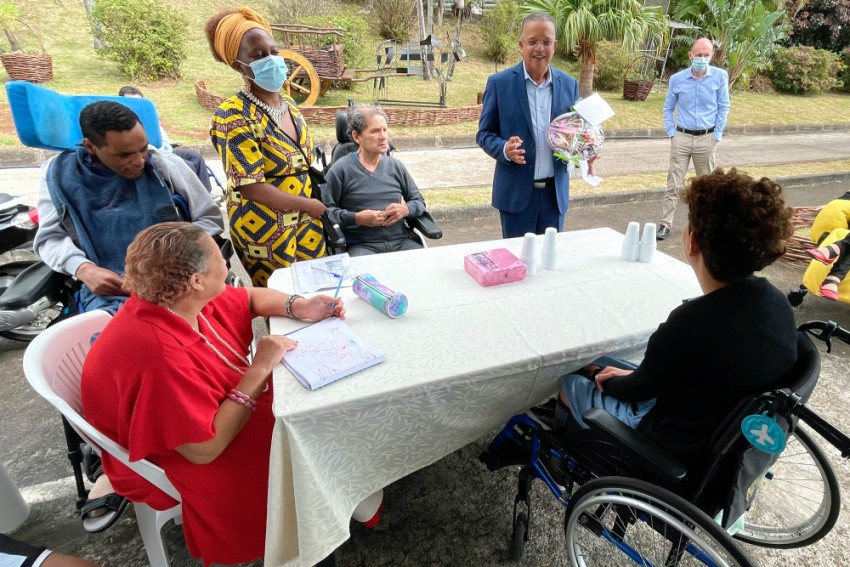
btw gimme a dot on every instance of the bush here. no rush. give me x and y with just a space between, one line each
146 38
845 75
396 18
500 30
611 63
356 40
805 70
296 11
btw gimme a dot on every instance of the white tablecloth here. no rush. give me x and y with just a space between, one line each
459 363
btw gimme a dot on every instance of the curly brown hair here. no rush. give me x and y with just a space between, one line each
209 30
162 258
741 225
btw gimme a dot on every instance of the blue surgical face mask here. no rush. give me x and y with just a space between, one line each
700 64
269 72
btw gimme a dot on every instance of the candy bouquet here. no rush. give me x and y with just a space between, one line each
576 142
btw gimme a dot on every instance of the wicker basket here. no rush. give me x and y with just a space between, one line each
635 89
206 98
32 67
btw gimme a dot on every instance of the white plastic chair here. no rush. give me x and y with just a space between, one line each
53 364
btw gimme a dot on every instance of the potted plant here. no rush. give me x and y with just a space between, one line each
20 64
638 81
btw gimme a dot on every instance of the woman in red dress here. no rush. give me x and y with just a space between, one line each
169 379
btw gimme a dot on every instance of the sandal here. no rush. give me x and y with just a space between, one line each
828 258
101 513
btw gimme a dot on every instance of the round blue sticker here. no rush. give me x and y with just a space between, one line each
763 433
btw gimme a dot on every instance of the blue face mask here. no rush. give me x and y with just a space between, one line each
269 72
700 64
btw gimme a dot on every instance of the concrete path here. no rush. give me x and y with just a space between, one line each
471 167
467 167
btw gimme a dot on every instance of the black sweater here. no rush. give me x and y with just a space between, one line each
711 352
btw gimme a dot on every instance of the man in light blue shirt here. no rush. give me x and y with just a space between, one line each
700 97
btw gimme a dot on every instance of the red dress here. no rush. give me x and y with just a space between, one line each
151 384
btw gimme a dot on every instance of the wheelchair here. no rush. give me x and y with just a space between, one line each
420 227
639 501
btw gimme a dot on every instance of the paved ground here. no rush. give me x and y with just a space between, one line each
453 512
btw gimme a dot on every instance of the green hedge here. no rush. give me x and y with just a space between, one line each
805 70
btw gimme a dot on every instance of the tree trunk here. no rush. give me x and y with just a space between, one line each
95 29
585 81
423 51
429 29
440 10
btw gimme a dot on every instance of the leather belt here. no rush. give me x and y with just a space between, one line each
544 183
695 132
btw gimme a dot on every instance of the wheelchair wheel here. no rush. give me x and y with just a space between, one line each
797 501
612 516
519 537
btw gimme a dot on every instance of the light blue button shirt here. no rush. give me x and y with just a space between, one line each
702 103
540 105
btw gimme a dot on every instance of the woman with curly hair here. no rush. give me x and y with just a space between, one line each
737 340
266 150
169 379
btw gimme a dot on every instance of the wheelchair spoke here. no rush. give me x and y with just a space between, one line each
796 502
610 518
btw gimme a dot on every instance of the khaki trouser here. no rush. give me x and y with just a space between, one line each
683 149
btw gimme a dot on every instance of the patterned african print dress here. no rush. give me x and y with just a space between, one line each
254 149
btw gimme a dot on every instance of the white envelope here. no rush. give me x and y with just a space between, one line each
594 109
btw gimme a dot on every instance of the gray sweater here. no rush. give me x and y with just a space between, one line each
352 188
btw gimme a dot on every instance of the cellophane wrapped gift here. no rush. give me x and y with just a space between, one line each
573 140
493 267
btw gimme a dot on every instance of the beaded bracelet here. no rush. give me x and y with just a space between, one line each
243 399
240 401
289 303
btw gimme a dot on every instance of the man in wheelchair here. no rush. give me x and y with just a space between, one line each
95 199
368 193
737 340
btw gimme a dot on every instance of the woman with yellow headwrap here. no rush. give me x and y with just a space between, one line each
266 150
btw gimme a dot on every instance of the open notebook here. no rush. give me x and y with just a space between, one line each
327 351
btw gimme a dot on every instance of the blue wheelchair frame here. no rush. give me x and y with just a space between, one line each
527 441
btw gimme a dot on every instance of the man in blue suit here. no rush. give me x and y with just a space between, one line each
531 188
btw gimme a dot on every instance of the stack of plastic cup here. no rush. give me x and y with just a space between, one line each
647 243
529 252
549 253
631 243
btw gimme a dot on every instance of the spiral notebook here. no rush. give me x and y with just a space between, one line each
327 351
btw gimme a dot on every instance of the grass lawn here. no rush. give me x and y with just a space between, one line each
79 70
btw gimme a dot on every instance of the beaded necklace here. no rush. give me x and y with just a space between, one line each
275 113
217 352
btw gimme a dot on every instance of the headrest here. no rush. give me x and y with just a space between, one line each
49 120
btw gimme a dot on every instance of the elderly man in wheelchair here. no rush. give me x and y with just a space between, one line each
658 446
369 194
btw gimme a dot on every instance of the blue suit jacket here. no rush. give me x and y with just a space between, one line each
505 113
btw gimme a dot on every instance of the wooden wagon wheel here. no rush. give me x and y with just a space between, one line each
303 83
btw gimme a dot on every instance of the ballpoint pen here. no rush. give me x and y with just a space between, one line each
336 293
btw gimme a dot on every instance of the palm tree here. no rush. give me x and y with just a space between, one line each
580 24
746 34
